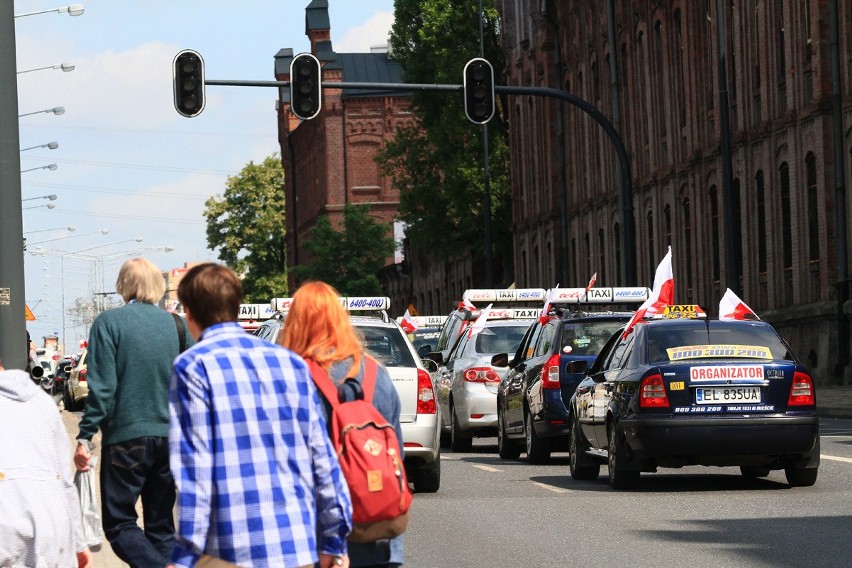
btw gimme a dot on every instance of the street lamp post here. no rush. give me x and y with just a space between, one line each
50 167
54 110
70 228
72 10
47 205
52 197
65 67
49 145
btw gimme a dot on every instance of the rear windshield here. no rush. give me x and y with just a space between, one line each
500 339
714 339
587 337
388 346
425 336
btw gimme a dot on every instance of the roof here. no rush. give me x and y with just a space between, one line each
370 68
316 16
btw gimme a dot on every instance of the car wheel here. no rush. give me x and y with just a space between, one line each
67 401
459 441
619 477
445 439
538 450
506 448
427 478
579 463
801 476
754 471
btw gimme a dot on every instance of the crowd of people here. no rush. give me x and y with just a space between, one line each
202 423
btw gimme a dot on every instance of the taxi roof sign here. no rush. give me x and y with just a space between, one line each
255 311
622 295
426 321
680 311
353 303
505 295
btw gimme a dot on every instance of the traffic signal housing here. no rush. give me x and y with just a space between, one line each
478 90
305 86
188 75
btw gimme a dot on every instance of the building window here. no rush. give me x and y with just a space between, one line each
813 210
679 74
714 232
588 255
601 255
781 56
652 253
687 235
616 236
738 226
667 223
761 222
786 217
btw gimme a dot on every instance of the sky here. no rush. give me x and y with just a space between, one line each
127 162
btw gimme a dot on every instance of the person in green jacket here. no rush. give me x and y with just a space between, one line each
131 350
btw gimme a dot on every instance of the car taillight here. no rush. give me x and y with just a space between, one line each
802 391
652 392
481 375
425 394
550 373
82 376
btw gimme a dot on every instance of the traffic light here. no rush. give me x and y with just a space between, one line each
305 86
478 90
189 83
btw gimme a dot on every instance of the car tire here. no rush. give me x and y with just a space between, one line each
619 477
445 439
754 471
801 476
507 449
427 478
459 441
581 467
67 401
538 450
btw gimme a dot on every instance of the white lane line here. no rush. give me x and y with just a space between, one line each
550 487
835 458
486 467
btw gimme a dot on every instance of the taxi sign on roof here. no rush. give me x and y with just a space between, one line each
255 311
599 295
351 303
426 321
505 295
681 311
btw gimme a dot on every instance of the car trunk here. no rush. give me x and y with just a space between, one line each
405 381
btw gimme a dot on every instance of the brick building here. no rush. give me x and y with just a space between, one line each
329 160
567 215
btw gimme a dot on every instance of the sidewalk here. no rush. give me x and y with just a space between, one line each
834 401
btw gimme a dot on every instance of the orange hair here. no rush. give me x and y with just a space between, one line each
317 327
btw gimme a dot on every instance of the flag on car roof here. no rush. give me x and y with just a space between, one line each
479 324
542 316
731 307
591 285
466 305
662 294
408 324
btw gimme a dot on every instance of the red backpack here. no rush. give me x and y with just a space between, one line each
370 458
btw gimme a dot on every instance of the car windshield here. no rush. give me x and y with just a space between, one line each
387 345
500 339
425 336
587 337
696 340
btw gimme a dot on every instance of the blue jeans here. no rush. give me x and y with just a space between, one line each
130 470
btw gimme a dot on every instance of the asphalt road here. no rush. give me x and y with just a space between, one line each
495 513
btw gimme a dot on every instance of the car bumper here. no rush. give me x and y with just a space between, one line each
553 418
474 402
421 438
722 440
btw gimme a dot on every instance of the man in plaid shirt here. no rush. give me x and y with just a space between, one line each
257 478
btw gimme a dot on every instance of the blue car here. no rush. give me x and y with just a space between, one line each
680 391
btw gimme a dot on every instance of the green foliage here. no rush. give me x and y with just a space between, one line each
348 259
247 225
437 162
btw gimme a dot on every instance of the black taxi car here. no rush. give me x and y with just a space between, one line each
683 389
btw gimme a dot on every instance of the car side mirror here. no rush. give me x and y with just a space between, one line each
429 365
424 350
436 356
577 366
500 360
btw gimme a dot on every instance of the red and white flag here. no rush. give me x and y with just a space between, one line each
542 316
662 294
591 285
466 305
479 324
731 307
408 324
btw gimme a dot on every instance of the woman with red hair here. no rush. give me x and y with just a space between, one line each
318 329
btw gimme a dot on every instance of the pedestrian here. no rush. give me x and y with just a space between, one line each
40 519
318 328
129 362
258 480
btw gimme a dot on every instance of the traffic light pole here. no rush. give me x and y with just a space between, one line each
628 233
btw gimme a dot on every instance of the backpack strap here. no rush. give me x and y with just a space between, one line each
331 393
368 381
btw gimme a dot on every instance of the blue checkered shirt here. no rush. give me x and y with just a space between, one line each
257 478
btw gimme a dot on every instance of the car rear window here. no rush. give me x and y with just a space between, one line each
661 338
500 339
588 337
388 346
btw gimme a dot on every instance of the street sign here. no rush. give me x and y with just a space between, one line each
29 313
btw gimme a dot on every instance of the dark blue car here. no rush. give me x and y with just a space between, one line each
533 398
674 392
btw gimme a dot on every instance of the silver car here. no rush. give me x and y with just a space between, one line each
467 383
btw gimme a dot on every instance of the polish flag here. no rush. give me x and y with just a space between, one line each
591 285
662 294
466 305
731 307
542 316
408 325
479 324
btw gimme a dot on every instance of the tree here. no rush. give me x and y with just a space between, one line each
437 162
247 225
348 259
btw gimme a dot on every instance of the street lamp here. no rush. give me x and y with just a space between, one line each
48 205
101 232
54 110
50 167
72 10
70 228
65 67
52 197
50 145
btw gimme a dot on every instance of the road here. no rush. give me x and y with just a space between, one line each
495 513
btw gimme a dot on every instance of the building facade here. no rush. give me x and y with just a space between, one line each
786 207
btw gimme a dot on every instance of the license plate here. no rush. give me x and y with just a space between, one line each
726 395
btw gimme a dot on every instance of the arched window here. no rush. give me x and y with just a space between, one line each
652 253
616 239
738 229
667 223
786 217
714 232
601 268
761 221
813 210
678 68
588 255
687 238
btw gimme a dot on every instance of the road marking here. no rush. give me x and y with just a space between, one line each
486 467
835 458
550 487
